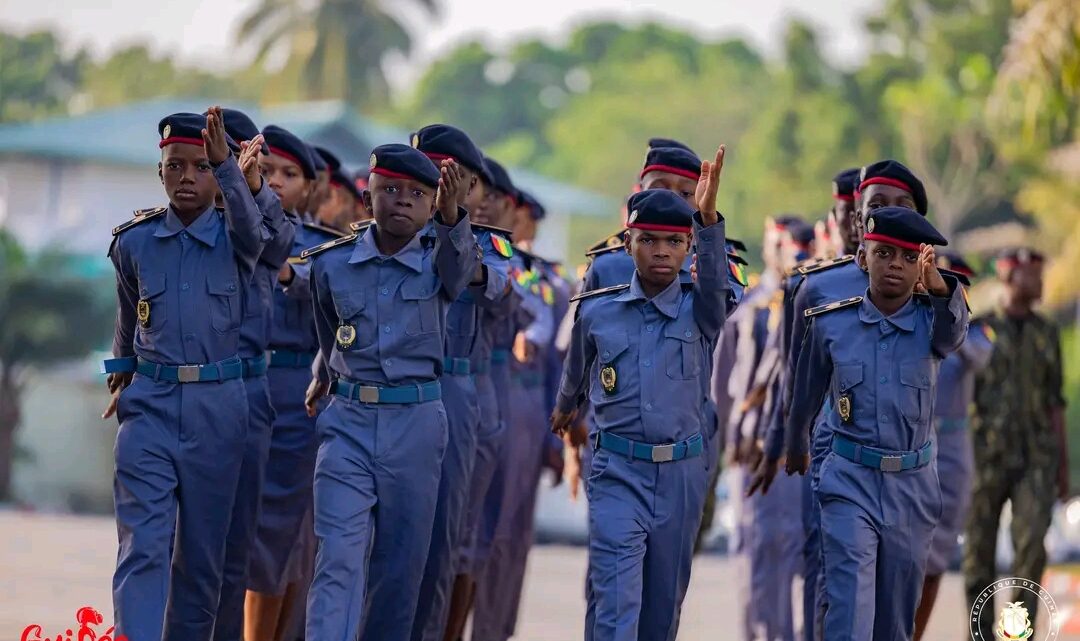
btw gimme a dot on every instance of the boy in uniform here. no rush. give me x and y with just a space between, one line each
648 480
176 382
381 299
873 360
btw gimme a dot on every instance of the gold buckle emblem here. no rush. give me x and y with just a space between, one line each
346 336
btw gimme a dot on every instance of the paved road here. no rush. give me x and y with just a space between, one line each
50 566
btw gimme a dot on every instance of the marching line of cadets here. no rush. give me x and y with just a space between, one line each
333 403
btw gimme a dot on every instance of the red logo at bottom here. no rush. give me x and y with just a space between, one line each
87 618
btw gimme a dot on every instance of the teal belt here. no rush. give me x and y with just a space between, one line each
884 460
500 356
947 425
456 366
689 448
255 366
287 358
209 373
403 395
528 379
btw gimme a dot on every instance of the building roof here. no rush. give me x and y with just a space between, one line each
127 135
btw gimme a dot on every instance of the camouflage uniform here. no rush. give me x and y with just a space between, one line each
1016 453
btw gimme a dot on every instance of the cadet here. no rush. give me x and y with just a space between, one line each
254 341
381 299
276 565
647 486
468 351
956 388
521 338
875 359
881 184
319 191
176 381
843 216
1018 431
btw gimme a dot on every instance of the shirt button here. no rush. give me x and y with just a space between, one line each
884 346
648 328
688 333
185 287
388 362
648 406
884 379
385 291
189 337
884 418
925 380
386 329
607 354
184 235
647 363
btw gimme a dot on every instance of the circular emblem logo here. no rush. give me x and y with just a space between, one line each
166 131
1013 620
346 336
632 218
870 226
416 141
372 162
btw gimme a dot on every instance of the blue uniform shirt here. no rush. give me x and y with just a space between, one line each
659 349
956 380
464 318
395 305
259 294
886 366
172 269
293 326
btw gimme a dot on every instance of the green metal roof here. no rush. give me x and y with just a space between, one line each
127 135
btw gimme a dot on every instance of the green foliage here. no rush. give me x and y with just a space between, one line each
36 78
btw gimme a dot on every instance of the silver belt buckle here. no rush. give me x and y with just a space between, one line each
187 373
663 453
892 463
369 394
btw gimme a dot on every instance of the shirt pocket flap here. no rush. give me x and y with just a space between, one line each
915 373
610 345
848 376
151 285
219 286
684 333
349 304
420 288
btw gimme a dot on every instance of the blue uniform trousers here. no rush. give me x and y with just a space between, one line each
643 519
286 492
230 618
488 449
955 462
876 529
484 553
178 454
376 486
463 416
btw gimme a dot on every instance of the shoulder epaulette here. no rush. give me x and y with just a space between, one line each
823 265
607 249
597 292
828 307
326 230
736 244
614 240
495 230
141 216
737 259
330 244
363 224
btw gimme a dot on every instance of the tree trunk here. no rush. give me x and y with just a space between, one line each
10 415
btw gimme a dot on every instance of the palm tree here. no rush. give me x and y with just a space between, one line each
47 315
340 44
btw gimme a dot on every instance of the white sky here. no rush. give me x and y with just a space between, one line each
201 30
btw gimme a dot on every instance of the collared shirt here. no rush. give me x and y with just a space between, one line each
186 284
381 320
658 350
464 320
885 367
956 380
293 321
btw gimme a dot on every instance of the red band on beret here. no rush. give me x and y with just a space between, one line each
686 173
961 270
845 197
903 244
393 174
277 151
653 227
198 142
881 180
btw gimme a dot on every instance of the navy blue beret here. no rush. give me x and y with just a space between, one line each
954 262
673 160
801 232
536 210
845 183
240 126
441 142
340 179
659 210
668 142
283 143
902 227
894 173
328 157
500 180
187 128
402 161
316 158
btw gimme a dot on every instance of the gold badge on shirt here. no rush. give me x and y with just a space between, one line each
143 311
608 379
346 336
843 406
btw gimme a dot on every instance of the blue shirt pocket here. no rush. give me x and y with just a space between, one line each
682 351
224 298
151 302
915 389
420 307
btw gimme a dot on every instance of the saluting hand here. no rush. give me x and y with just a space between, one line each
451 184
708 184
214 137
929 276
249 163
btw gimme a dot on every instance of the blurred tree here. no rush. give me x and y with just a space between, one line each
339 45
36 78
47 316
